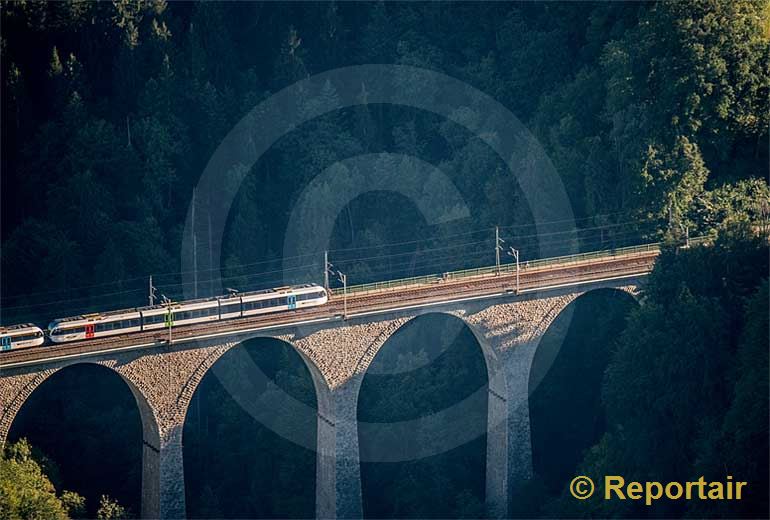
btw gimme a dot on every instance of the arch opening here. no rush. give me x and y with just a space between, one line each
418 457
566 413
250 435
87 423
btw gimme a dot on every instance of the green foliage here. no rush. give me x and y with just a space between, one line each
74 504
686 391
25 491
745 201
103 436
740 443
109 509
654 111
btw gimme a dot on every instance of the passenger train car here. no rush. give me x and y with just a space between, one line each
154 317
20 336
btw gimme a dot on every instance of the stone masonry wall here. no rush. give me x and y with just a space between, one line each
164 379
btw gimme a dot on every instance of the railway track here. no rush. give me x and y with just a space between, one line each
362 302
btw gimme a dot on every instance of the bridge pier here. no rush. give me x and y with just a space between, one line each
518 424
163 494
170 476
163 380
338 471
496 491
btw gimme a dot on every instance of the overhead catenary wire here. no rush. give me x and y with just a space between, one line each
339 250
549 241
412 261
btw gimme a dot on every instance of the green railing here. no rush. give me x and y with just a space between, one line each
507 268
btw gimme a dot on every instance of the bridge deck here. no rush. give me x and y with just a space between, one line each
365 303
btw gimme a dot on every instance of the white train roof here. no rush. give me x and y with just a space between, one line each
175 305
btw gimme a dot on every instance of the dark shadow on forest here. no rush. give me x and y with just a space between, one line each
430 364
84 425
566 413
238 467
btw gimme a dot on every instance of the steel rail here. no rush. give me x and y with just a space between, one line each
364 303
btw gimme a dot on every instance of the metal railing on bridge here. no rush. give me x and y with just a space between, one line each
507 268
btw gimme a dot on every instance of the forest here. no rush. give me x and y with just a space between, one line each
654 115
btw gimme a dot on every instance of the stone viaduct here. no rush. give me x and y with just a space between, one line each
164 378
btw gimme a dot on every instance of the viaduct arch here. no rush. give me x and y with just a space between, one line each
163 381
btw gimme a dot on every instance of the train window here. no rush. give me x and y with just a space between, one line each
228 309
74 330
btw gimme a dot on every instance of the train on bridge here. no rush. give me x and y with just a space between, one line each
171 314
